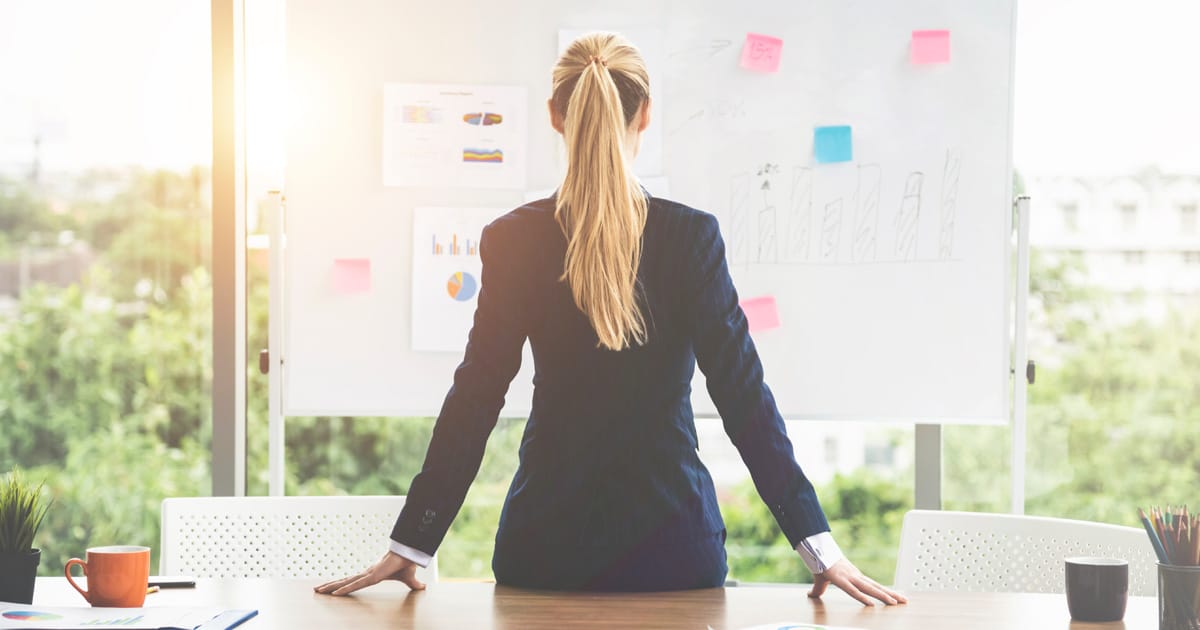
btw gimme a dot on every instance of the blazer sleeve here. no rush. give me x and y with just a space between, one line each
470 410
727 357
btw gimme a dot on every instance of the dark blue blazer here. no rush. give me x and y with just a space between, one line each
609 454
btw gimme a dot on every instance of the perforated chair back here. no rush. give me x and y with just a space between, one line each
1006 553
278 537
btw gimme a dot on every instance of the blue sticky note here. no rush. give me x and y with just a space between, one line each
832 144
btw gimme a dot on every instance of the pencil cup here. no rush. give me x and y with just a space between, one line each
1178 597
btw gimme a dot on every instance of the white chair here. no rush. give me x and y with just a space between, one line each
278 537
968 551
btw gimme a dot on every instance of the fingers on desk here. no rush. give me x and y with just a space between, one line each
819 586
872 588
409 577
850 588
350 585
329 587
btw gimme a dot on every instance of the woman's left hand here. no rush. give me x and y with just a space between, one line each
390 567
847 577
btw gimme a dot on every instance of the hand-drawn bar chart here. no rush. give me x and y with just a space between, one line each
804 215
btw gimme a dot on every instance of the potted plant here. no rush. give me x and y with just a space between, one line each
21 512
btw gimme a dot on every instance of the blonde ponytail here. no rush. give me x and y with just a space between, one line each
600 84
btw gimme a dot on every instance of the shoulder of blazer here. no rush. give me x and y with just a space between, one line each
694 231
525 223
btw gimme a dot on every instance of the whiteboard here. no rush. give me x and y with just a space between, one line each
890 271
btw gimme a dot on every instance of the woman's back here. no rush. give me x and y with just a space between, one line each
621 296
602 451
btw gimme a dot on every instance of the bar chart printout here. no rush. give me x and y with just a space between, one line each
447 275
455 245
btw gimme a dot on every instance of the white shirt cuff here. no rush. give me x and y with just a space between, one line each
408 553
819 552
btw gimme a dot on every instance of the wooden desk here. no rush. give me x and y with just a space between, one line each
292 604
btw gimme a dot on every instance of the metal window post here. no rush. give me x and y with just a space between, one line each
229 254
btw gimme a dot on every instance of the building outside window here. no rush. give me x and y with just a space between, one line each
1070 217
1129 216
1187 219
1133 256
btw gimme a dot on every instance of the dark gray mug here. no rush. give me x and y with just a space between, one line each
1097 588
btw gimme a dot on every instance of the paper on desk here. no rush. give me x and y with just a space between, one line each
86 617
784 625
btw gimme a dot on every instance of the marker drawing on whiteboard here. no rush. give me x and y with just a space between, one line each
739 199
800 217
909 217
768 249
950 177
831 231
713 48
695 116
866 213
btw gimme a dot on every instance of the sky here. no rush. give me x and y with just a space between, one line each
106 82
1101 86
1107 86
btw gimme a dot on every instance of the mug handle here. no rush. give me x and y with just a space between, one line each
82 565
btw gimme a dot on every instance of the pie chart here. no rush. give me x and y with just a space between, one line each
462 286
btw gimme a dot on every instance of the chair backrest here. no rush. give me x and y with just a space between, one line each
968 551
278 537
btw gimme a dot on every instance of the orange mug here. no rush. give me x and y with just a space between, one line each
116 576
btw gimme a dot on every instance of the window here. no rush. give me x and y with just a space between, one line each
1129 216
1070 217
105 262
1187 219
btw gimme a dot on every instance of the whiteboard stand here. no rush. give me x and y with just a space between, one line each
275 443
927 467
927 438
1021 380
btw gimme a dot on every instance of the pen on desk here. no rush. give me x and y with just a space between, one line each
151 589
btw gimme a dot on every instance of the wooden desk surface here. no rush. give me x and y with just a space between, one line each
292 604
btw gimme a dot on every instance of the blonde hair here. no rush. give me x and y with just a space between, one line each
600 85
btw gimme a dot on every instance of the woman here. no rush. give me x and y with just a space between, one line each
620 295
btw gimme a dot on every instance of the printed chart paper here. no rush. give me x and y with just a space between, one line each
649 42
454 136
70 617
446 275
797 625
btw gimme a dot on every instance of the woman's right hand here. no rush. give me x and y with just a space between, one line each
847 577
390 567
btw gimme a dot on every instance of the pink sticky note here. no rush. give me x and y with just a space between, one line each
930 47
352 275
761 53
761 313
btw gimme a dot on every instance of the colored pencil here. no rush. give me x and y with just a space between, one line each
1154 541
